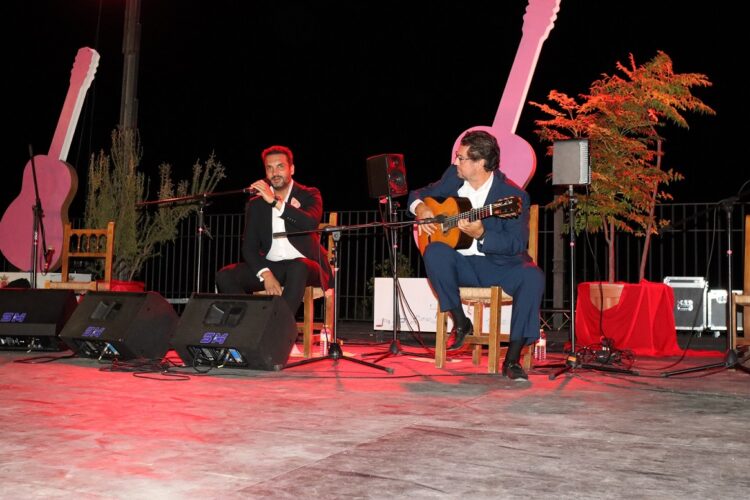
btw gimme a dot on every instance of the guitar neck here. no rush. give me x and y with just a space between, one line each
537 22
472 215
81 76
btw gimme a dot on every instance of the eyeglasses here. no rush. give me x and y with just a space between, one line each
461 158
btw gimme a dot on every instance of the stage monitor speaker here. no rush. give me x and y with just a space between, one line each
570 163
31 319
386 176
236 331
122 325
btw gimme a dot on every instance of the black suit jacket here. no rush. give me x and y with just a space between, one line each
258 236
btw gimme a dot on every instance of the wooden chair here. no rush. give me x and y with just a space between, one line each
308 326
86 244
743 300
495 298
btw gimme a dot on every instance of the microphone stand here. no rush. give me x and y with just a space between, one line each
202 200
573 360
38 224
334 350
394 348
731 358
202 229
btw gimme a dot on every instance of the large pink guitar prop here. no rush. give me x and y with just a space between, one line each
517 158
57 179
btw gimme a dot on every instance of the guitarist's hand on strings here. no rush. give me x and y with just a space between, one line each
474 229
422 211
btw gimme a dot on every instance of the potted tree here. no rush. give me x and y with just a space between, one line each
621 116
116 186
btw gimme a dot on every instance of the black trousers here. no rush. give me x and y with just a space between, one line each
294 276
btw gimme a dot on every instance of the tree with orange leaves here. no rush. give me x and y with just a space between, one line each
621 116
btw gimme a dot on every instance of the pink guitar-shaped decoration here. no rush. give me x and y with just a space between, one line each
57 180
517 158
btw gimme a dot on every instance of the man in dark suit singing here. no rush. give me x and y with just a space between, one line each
281 205
498 253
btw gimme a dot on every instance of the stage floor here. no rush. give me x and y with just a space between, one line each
73 428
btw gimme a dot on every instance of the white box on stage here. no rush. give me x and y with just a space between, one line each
717 310
423 304
690 301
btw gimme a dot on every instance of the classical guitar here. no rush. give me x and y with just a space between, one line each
518 160
56 179
450 210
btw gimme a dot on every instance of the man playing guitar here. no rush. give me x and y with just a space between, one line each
497 254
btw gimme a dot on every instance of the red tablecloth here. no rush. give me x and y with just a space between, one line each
642 321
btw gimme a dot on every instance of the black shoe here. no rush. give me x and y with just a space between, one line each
461 334
514 371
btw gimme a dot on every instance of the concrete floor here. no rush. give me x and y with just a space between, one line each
73 428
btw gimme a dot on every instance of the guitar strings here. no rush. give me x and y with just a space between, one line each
474 214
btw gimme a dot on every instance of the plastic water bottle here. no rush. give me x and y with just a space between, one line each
540 349
324 334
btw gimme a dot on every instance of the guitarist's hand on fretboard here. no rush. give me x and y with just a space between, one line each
424 212
474 229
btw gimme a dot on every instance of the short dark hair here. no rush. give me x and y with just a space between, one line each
482 146
278 150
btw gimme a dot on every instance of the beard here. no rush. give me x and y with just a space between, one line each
278 182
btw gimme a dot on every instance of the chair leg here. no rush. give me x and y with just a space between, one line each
476 355
329 320
528 357
440 339
734 319
493 353
307 326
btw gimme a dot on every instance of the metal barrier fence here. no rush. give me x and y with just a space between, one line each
695 244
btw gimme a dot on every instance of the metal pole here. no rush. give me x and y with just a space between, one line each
131 51
572 235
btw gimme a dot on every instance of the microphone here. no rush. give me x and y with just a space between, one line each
48 259
252 190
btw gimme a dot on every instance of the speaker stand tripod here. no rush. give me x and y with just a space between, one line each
335 352
732 358
572 359
394 348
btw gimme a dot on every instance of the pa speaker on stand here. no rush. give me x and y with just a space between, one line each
386 176
571 165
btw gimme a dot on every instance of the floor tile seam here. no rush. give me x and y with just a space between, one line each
344 449
602 385
607 439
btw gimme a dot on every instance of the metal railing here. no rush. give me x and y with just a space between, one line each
695 244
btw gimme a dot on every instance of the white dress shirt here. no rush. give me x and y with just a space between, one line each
281 248
477 198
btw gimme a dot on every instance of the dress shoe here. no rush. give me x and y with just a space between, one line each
461 334
514 371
